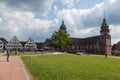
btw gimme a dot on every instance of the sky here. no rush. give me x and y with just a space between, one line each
38 19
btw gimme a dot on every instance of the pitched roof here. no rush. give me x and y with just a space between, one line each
3 40
86 41
30 40
14 39
104 23
90 40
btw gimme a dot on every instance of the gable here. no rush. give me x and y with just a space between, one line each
14 39
30 40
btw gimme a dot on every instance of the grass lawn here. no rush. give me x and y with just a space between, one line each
73 67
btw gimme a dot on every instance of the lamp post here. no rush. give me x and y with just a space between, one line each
42 51
30 61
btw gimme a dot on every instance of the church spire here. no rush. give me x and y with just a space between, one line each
104 27
63 27
104 23
62 21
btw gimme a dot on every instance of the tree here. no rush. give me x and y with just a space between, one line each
60 40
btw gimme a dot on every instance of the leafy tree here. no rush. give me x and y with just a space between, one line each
60 40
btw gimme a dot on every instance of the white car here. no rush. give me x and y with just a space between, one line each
79 53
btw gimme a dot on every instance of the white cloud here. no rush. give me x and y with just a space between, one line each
23 24
38 6
21 20
87 22
78 20
82 33
114 32
55 8
112 1
69 3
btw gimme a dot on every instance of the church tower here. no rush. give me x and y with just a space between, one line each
105 38
63 27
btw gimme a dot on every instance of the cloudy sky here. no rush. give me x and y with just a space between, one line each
40 18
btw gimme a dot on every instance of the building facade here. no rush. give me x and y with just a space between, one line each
2 44
14 44
116 49
30 45
100 44
116 46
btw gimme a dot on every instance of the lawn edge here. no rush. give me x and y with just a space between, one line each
25 70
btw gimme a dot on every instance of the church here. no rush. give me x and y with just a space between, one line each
100 44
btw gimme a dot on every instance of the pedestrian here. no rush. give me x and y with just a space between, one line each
8 54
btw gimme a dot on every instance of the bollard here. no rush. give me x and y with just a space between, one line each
30 61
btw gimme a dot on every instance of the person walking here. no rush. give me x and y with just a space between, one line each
8 54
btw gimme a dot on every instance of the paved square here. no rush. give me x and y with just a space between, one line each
12 70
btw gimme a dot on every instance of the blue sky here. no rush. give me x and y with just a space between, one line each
40 18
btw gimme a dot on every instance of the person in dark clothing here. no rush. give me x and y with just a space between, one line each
8 54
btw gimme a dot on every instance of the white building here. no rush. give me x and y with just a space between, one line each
30 44
14 44
2 44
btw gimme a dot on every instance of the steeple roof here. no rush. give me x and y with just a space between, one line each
104 22
62 25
